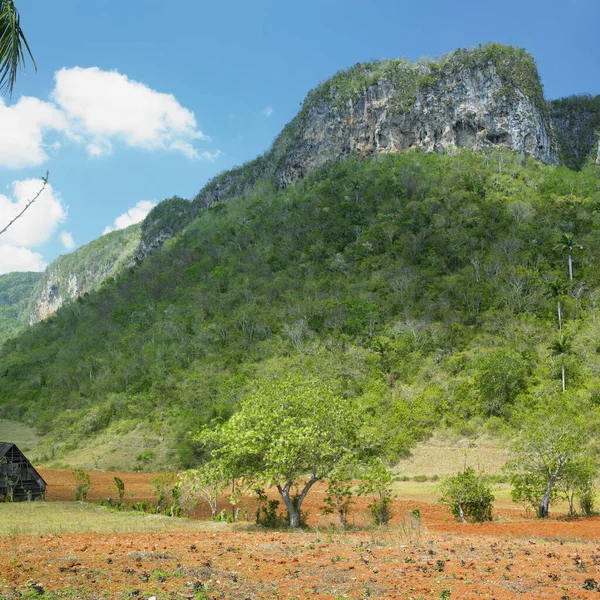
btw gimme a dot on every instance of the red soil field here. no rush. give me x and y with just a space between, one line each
511 558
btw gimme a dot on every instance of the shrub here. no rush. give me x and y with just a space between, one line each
270 517
83 484
120 485
378 484
469 498
339 497
586 500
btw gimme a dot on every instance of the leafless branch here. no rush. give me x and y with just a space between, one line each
29 203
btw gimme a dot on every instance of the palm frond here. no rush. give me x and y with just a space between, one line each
12 46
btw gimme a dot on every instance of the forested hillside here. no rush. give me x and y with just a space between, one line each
424 285
29 297
15 294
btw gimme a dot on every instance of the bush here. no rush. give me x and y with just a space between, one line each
339 497
120 488
586 500
469 498
377 482
270 517
83 484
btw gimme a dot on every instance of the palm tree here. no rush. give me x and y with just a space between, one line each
556 289
560 347
13 46
567 243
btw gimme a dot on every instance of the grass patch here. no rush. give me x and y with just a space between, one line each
24 436
75 517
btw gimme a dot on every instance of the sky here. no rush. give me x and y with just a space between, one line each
141 100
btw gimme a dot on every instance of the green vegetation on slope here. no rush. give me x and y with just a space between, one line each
22 295
15 293
418 285
164 221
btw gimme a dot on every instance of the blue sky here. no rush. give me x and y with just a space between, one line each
139 101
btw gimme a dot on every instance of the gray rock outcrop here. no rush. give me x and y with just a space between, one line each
485 98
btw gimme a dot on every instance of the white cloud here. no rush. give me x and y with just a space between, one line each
67 240
267 111
39 222
133 215
97 109
210 156
104 107
35 226
22 128
16 258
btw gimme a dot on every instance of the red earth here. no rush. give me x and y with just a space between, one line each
438 558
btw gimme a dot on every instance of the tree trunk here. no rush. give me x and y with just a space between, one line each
559 317
562 370
545 502
233 500
293 505
461 514
570 267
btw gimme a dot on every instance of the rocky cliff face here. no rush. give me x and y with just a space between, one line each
576 122
482 98
84 270
163 222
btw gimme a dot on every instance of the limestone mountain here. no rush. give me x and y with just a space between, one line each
483 98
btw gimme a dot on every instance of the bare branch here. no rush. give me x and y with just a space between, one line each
29 203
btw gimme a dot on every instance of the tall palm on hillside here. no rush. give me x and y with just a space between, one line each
567 243
13 46
561 347
558 288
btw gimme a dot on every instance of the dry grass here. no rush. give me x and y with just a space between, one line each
74 517
25 437
442 456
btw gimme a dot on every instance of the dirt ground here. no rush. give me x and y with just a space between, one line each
512 557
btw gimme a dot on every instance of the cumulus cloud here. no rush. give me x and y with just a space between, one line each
16 258
210 156
106 106
97 109
133 215
67 240
267 111
34 227
39 222
22 128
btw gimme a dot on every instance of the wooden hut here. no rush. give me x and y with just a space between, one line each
18 479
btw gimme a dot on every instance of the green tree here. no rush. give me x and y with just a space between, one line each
499 377
13 46
554 444
469 498
289 432
578 482
205 484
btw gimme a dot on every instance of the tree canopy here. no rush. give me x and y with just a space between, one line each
554 447
289 432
